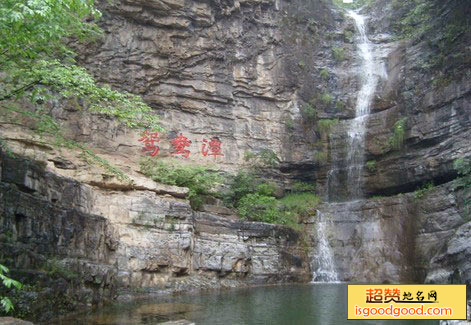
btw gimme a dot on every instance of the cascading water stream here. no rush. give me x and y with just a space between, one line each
370 72
325 270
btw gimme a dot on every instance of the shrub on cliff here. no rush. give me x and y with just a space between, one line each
262 205
8 283
399 130
199 180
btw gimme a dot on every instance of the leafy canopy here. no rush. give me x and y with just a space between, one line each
37 62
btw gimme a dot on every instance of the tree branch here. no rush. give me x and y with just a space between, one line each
16 91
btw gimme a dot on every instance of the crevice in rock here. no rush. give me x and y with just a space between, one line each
414 186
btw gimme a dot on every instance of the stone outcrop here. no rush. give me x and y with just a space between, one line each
407 238
112 241
13 321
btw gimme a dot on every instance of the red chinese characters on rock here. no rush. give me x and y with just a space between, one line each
179 144
212 148
149 140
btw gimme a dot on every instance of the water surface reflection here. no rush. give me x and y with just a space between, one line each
321 304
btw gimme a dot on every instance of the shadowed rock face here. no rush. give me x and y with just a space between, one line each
399 239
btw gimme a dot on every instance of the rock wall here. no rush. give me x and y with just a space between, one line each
236 70
114 241
245 72
405 237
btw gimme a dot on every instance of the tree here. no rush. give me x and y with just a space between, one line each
37 63
5 302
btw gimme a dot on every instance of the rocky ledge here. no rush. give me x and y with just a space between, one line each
93 244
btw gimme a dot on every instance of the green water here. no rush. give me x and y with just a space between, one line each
322 304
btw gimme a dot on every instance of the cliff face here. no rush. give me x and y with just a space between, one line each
103 243
416 235
259 75
236 70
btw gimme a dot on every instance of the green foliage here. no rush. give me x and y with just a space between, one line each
266 189
326 99
301 204
397 139
463 167
371 165
417 20
299 187
269 157
55 269
262 208
340 105
326 124
444 29
255 200
286 211
289 122
244 183
324 74
199 180
4 148
309 112
348 35
70 81
377 197
37 28
36 61
423 190
7 282
263 158
338 53
241 184
37 64
249 155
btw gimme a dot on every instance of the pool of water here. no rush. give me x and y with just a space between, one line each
322 304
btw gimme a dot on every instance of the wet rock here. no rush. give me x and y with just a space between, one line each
453 263
13 321
400 238
178 322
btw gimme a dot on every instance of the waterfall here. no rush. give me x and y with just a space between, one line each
325 270
371 70
369 75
